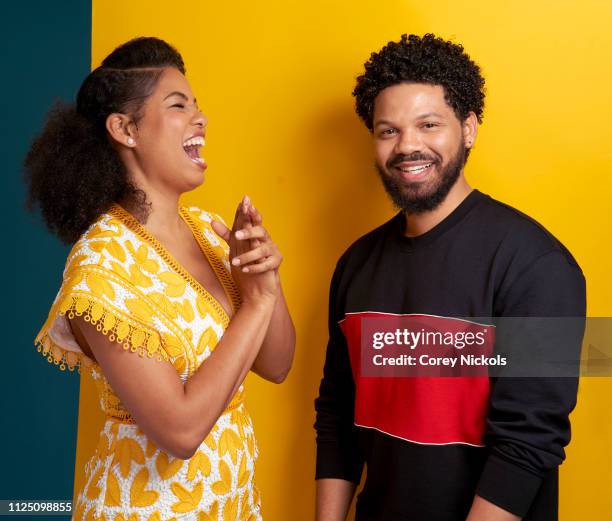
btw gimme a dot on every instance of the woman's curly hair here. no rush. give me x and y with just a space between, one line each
426 59
73 173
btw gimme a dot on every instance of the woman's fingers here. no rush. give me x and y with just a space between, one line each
256 254
256 217
221 230
251 248
241 220
242 217
271 263
239 212
254 232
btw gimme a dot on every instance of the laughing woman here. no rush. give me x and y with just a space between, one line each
162 304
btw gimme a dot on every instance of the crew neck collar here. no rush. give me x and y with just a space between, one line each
418 241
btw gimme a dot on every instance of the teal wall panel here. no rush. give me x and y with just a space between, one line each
46 51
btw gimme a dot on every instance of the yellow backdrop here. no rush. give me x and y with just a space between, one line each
274 79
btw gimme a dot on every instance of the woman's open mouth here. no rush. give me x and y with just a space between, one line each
192 149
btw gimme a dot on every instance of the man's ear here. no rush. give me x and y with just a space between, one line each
469 129
121 129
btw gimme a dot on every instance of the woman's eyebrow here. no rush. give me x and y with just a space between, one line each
177 93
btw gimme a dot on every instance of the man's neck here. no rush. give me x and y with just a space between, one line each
418 224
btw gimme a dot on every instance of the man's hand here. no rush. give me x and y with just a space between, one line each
334 498
483 510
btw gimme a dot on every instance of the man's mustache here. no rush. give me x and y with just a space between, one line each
400 158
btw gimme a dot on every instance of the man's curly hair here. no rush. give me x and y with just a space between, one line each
428 59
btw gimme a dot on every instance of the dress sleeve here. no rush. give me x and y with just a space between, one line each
528 420
107 299
338 453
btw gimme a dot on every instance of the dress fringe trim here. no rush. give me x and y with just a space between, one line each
115 325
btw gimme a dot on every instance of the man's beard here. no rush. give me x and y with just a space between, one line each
407 197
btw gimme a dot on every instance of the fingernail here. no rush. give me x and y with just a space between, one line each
245 270
247 201
239 235
235 261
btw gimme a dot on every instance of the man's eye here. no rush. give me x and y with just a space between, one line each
430 125
388 131
180 105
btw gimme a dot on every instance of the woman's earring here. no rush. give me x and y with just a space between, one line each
130 141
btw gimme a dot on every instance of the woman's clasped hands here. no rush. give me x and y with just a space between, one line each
254 256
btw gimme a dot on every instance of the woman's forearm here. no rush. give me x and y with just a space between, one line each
275 357
178 416
212 386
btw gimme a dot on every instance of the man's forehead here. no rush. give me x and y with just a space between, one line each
411 99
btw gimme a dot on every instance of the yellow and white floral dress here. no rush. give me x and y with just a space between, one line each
121 279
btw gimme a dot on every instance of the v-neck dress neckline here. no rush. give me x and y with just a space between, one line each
214 261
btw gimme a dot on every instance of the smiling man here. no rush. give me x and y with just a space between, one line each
440 449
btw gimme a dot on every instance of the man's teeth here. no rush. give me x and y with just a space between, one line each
194 141
416 169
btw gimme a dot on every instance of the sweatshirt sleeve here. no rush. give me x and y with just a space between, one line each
528 424
338 453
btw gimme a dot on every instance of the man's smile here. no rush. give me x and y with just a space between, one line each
414 171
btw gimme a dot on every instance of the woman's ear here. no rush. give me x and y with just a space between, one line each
121 129
470 130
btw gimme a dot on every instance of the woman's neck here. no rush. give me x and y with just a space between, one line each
158 212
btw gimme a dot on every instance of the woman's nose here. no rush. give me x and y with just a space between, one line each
200 119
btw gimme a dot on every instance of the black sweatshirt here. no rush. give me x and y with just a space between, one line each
431 444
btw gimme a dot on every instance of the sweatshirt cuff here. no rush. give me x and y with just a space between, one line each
507 485
334 462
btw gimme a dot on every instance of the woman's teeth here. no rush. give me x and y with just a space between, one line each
194 141
192 149
416 169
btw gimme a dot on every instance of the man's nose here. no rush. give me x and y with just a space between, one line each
409 141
